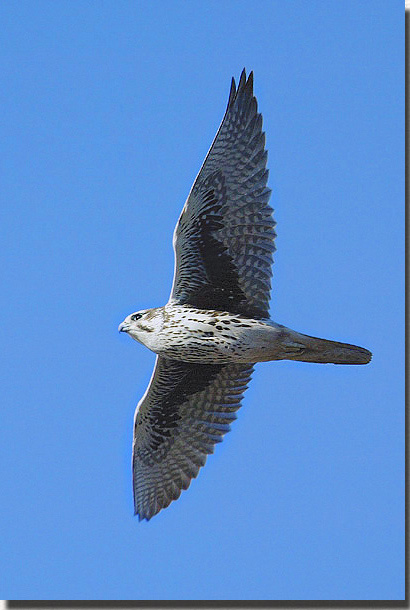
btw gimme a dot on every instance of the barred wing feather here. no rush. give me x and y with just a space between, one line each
186 409
224 238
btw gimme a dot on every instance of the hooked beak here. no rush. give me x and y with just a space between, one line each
123 327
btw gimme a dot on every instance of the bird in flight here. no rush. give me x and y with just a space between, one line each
216 324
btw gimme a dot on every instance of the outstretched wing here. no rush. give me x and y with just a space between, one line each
186 409
224 238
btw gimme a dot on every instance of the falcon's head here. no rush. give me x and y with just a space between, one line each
143 325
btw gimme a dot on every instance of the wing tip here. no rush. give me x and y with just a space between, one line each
245 86
232 92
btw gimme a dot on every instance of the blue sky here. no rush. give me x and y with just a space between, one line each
108 109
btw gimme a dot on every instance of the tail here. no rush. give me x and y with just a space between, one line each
312 349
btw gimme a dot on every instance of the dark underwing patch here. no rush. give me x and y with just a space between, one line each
183 380
222 290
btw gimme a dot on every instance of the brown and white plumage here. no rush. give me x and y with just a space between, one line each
216 323
223 245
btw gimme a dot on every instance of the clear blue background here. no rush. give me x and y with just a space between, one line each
107 111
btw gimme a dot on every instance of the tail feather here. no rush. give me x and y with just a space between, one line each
313 349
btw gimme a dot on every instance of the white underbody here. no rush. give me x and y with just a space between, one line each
211 337
183 333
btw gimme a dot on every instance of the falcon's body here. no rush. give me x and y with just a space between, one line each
188 334
216 324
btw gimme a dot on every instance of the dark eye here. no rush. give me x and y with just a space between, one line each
136 316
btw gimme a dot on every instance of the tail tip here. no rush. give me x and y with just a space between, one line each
359 355
367 356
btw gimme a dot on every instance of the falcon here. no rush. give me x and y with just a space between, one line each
216 324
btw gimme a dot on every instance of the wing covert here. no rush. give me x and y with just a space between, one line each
186 409
224 238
